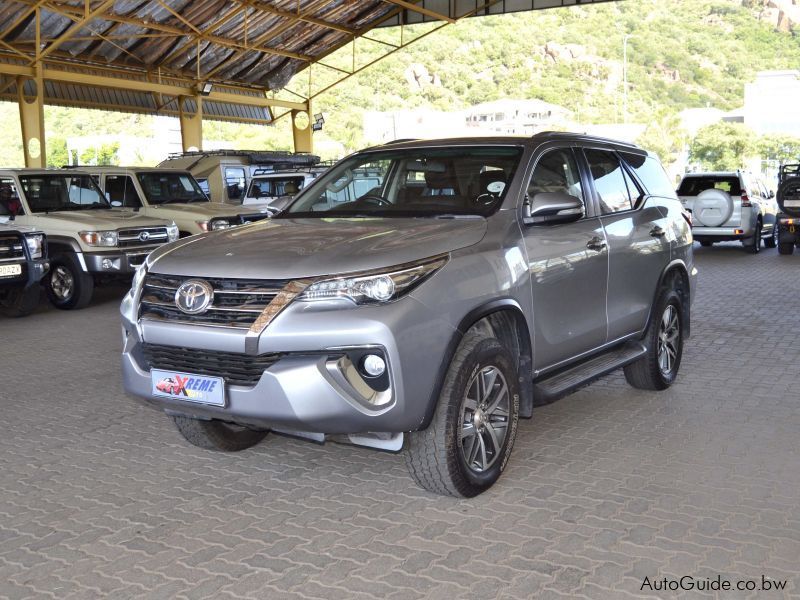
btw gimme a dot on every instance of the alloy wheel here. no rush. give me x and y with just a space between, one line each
484 419
62 283
668 340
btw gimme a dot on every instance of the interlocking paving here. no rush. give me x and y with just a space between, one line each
101 498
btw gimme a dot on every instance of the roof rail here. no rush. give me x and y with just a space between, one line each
255 156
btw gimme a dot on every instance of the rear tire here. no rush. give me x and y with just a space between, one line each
706 244
67 286
786 249
658 368
753 245
21 302
216 435
466 447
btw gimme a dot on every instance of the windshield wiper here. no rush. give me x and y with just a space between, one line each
97 205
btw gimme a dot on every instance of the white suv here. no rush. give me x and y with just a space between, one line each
174 195
729 206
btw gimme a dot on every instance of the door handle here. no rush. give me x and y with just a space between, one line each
657 232
597 244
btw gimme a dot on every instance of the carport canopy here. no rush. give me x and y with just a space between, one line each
196 59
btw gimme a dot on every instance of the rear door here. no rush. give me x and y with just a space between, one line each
637 233
568 264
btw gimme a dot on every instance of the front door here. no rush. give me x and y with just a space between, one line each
568 264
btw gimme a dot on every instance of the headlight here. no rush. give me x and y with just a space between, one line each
172 232
217 224
375 287
35 245
203 225
99 238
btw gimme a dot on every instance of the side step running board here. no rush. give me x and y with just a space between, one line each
562 383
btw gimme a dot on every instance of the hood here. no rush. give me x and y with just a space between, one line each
201 210
96 220
296 248
7 224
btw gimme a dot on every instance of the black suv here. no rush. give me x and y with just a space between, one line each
23 263
789 203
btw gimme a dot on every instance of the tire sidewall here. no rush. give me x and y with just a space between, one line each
487 352
670 297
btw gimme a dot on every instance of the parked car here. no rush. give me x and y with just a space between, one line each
23 263
478 278
732 205
173 195
789 204
88 239
224 175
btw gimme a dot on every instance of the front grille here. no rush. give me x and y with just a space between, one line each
129 238
11 248
235 369
237 302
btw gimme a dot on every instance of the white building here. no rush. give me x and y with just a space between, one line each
772 103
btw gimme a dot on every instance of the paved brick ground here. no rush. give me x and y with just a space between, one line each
99 497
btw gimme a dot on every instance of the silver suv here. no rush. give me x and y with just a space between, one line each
729 206
475 279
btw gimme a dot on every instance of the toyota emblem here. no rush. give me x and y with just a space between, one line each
194 296
144 236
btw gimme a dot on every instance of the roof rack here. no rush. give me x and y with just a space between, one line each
255 156
280 169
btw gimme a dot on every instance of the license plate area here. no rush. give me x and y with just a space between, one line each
200 389
10 270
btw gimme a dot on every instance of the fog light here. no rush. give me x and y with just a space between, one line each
373 365
107 264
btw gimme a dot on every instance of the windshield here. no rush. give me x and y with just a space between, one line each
47 193
416 182
161 188
273 187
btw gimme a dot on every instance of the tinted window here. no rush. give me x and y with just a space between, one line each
277 186
9 199
120 188
651 173
556 171
610 181
164 186
692 185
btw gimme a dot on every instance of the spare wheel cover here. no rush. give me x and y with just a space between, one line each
789 196
712 208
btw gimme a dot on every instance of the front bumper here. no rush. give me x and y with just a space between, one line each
114 262
304 390
32 273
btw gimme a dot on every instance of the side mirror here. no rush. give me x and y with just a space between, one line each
550 208
116 203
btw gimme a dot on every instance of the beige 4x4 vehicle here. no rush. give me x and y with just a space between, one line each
173 195
88 240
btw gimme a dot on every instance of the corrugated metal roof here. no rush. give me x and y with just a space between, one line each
250 44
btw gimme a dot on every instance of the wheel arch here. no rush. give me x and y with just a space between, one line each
505 320
676 269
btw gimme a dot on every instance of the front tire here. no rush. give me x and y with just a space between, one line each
772 240
658 368
466 447
216 435
68 287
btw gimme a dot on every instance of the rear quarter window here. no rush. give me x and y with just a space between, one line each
651 174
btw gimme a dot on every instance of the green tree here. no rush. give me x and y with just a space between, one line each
781 148
723 147
105 154
665 137
57 155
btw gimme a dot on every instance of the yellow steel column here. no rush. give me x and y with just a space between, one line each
31 118
301 129
191 124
